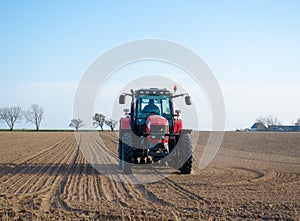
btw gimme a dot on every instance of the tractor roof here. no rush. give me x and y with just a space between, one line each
152 91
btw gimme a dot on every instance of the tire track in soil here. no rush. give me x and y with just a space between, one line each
137 193
105 187
108 187
152 196
67 172
181 190
259 176
73 179
58 176
147 193
78 169
60 193
93 186
114 192
289 178
82 180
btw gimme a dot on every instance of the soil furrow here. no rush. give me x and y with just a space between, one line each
30 172
254 176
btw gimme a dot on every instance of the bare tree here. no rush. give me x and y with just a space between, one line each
268 121
272 120
262 120
111 123
99 120
297 122
76 123
34 115
10 115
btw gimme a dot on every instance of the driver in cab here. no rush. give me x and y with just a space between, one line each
151 107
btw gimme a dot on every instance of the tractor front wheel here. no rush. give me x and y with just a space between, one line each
126 152
186 153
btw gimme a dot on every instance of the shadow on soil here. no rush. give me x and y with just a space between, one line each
54 169
64 169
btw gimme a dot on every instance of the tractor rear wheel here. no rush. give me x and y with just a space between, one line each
186 153
127 153
120 153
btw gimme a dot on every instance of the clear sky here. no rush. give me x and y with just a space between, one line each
252 47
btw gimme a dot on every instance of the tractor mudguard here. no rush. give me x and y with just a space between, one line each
177 125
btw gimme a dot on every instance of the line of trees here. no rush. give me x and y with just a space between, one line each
273 121
10 115
35 114
268 121
99 120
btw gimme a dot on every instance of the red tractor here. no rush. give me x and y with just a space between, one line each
152 130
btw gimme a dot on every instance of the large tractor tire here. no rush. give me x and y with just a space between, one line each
186 153
120 153
126 153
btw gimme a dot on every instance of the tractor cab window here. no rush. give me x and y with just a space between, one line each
151 104
166 110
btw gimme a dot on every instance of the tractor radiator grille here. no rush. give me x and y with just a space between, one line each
158 129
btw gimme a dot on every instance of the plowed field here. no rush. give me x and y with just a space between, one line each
45 176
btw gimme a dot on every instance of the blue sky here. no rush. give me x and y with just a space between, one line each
252 47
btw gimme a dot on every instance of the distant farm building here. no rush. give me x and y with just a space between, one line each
258 127
283 128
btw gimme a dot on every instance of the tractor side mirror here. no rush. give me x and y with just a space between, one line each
188 100
122 99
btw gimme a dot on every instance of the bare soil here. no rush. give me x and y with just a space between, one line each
254 176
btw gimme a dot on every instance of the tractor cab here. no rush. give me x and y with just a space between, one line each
149 107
